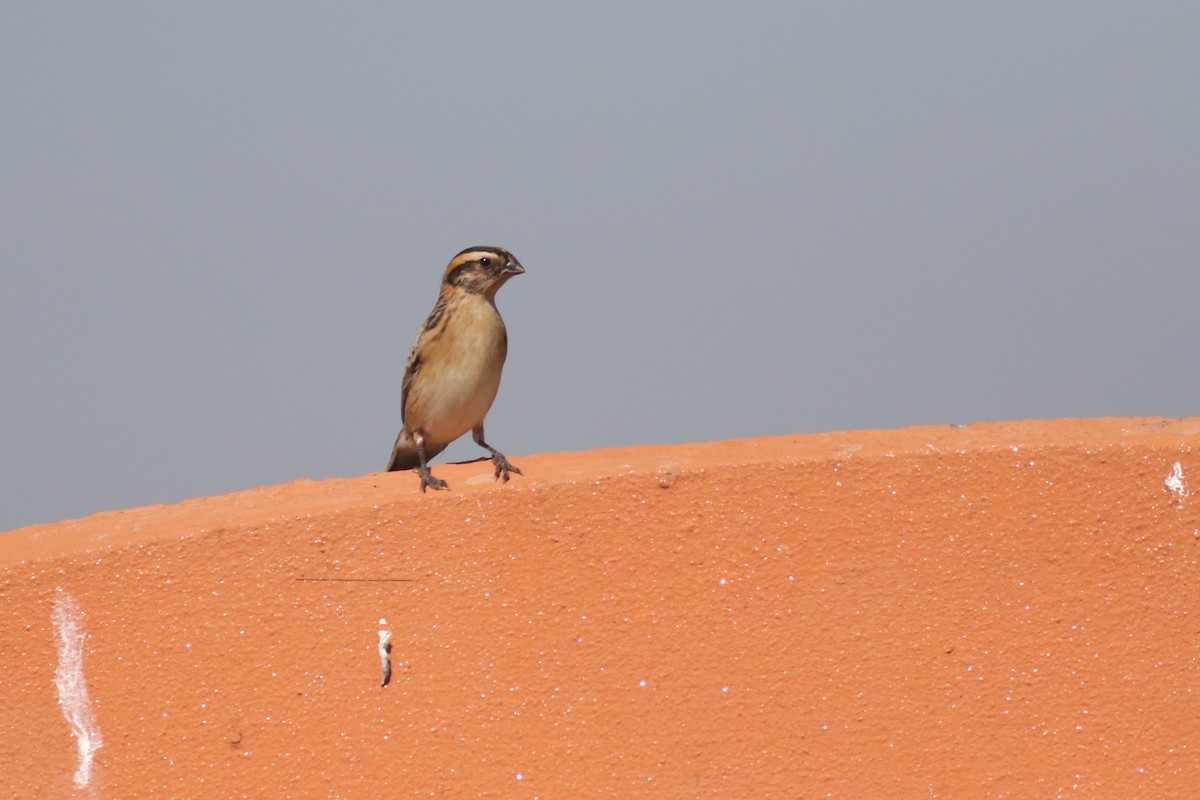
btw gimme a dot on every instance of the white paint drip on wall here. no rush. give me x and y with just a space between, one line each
72 688
385 648
1174 481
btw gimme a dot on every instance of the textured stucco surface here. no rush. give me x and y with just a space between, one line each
994 610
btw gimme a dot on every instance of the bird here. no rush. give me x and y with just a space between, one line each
453 371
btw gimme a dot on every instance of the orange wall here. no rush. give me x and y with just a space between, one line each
995 610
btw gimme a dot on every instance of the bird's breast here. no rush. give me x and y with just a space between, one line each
460 373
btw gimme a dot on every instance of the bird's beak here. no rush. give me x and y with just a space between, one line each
513 267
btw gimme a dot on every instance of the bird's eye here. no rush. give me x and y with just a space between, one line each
485 261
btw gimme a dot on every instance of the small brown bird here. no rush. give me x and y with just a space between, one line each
454 368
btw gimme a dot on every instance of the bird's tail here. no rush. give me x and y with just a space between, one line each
405 455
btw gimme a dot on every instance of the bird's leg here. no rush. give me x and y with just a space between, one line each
503 467
427 478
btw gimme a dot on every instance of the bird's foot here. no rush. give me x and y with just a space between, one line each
427 479
503 467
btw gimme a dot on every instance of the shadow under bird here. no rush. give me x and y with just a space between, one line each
453 371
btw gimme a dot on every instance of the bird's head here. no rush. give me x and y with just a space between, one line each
482 270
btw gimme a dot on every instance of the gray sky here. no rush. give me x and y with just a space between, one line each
222 224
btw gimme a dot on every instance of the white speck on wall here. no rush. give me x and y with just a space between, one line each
1174 481
72 688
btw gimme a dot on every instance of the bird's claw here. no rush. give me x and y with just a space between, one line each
503 467
427 479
